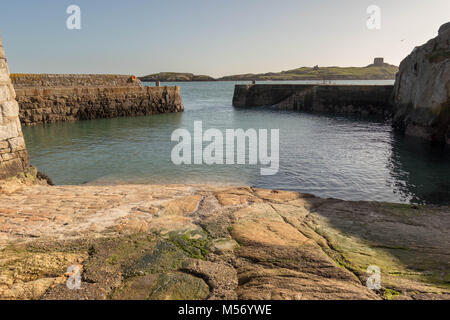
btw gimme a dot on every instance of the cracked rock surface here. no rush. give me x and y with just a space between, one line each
210 242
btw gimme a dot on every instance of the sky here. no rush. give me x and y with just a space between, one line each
212 37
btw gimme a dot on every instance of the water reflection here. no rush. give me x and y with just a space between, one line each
329 156
420 171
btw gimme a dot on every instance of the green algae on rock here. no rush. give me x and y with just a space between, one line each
205 242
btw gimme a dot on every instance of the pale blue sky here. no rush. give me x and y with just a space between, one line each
214 37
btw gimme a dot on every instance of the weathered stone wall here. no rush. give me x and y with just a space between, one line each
50 104
422 90
73 80
362 100
13 154
264 95
46 98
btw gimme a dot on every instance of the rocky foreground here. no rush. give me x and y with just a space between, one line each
205 242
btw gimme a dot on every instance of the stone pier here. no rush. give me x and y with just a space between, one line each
13 154
47 98
363 100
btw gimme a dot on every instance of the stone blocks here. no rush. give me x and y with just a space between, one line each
13 155
46 98
49 105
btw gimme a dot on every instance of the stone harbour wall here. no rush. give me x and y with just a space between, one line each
360 100
351 99
21 80
13 154
264 94
47 98
47 105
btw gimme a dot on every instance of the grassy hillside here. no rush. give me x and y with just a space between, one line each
371 72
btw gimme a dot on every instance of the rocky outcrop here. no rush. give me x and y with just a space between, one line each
422 90
346 99
46 98
13 154
205 242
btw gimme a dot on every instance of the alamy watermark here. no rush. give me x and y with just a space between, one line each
374 20
74 277
73 22
237 143
374 280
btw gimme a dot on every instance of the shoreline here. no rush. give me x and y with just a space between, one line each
237 185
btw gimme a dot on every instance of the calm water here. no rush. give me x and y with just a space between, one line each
337 157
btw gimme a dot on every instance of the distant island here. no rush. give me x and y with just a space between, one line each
175 77
379 70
